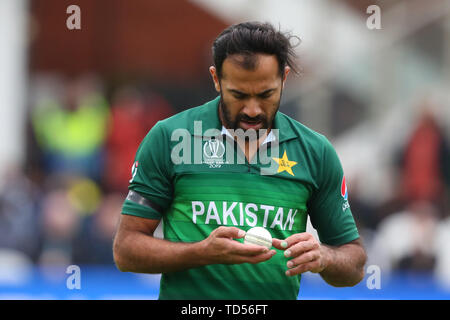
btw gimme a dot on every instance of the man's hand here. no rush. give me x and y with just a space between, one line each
220 248
305 252
339 266
136 250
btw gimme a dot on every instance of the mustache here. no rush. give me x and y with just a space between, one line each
246 118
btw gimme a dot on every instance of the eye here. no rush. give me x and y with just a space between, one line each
239 96
265 95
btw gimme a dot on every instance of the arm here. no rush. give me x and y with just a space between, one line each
339 266
136 250
346 264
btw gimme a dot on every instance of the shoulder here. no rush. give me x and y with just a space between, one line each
312 147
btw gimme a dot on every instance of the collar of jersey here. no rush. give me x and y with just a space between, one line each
210 120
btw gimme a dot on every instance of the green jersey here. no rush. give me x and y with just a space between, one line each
197 179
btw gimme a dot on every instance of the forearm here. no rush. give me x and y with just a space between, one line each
344 264
135 250
141 253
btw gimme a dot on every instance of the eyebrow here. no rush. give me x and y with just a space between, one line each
246 94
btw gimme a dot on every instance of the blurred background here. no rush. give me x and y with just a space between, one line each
75 104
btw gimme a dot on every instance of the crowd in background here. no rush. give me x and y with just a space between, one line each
412 228
63 206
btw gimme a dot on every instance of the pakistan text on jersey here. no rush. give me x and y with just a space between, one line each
240 214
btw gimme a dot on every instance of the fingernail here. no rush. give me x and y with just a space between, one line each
289 264
287 273
284 244
287 253
241 233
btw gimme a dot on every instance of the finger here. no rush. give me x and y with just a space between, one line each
279 244
302 268
248 249
295 238
300 248
257 258
229 232
289 241
304 258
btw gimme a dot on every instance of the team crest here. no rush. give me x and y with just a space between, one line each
284 164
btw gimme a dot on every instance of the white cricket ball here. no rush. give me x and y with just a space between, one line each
258 236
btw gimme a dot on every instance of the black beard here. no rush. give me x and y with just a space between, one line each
233 124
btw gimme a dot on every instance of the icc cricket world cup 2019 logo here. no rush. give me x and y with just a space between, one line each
213 150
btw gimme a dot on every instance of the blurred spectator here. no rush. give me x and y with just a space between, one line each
426 162
19 214
86 150
94 243
60 224
84 195
406 240
71 131
133 115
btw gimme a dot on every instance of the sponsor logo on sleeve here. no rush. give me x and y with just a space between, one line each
344 194
344 191
134 169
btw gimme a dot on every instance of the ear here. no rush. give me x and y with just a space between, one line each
215 77
286 72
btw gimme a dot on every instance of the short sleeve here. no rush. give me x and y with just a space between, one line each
328 207
150 188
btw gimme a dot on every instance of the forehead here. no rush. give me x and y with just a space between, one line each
264 73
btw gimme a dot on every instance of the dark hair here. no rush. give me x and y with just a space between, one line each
250 38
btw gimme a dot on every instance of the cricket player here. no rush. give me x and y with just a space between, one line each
214 171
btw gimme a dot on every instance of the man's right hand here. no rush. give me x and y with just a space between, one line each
220 248
136 250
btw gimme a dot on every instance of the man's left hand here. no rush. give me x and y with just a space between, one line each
305 253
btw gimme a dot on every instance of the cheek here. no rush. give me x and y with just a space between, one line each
271 105
232 105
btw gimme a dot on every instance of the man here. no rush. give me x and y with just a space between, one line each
229 183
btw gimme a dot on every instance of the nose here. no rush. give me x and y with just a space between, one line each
252 108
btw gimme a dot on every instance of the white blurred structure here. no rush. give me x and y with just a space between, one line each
15 267
13 75
442 249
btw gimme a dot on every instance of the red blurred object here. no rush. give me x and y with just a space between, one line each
169 40
422 178
131 118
